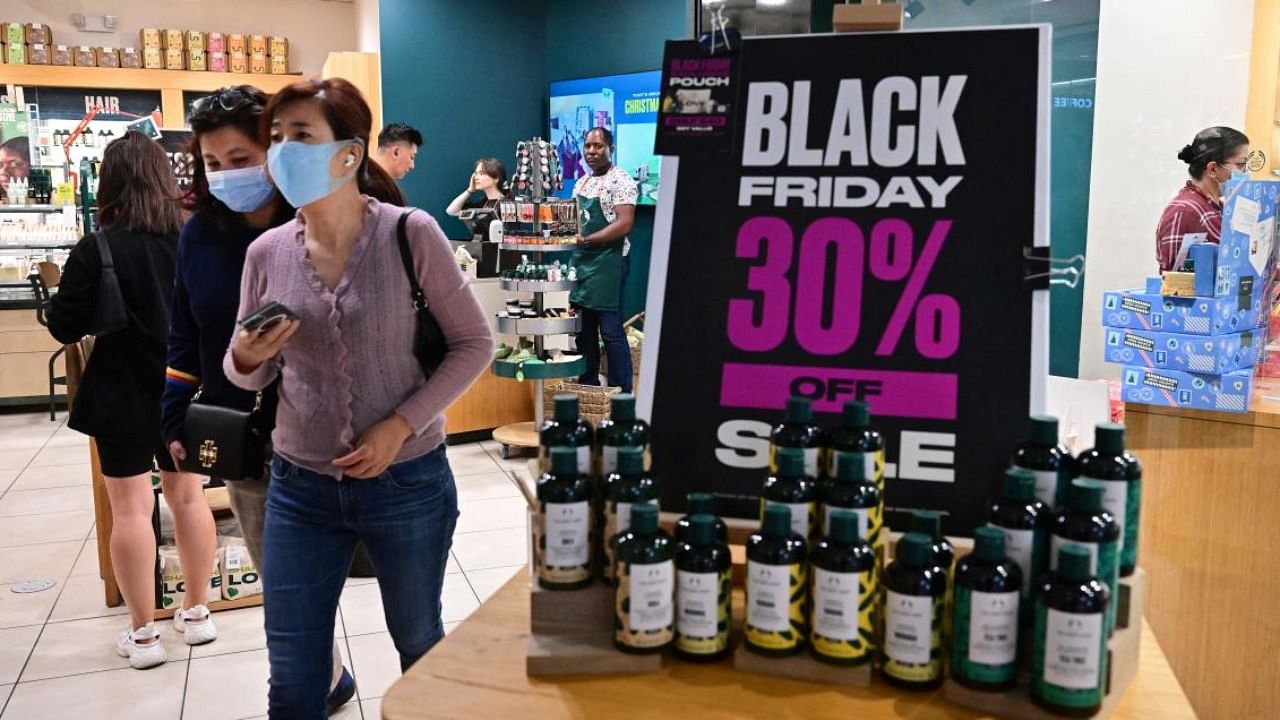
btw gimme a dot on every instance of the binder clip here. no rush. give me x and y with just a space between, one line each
1041 270
722 39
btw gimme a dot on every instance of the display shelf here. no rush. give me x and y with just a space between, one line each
524 434
539 326
540 371
42 209
539 247
538 285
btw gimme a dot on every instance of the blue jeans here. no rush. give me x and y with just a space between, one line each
597 323
405 517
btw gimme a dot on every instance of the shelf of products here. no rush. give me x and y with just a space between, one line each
538 326
540 247
534 369
41 209
538 286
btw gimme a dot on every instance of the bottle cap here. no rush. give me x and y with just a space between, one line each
1073 562
1019 484
799 409
702 530
1108 439
630 461
564 461
988 544
844 527
1044 430
644 519
927 522
777 521
700 504
857 414
851 467
566 408
915 549
790 462
623 407
1086 496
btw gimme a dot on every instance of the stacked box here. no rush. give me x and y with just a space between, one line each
216 42
150 38
84 56
15 34
38 34
16 53
1146 309
175 58
152 58
1211 354
107 57
61 56
218 61
129 58
236 43
197 60
258 64
239 62
173 39
38 55
1229 392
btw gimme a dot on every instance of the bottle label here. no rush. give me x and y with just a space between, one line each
864 520
1069 662
993 628
775 605
1103 564
910 628
645 604
1020 546
568 527
843 608
702 611
802 516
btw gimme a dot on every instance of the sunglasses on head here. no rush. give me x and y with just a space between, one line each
227 99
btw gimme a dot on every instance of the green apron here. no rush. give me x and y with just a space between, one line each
599 267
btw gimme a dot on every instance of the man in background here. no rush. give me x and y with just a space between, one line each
397 149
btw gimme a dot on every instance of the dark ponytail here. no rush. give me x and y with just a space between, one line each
1214 144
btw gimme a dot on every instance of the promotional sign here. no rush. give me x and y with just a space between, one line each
866 236
625 104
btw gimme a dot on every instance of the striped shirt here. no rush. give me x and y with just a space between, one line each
1190 211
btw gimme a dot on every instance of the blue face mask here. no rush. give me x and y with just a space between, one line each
301 171
243 189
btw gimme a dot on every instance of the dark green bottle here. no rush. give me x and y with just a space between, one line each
929 524
844 589
777 586
855 436
1121 475
1069 667
1026 523
704 587
852 490
621 429
1086 521
791 488
799 432
988 587
645 588
915 590
626 488
700 504
562 530
1048 459
566 428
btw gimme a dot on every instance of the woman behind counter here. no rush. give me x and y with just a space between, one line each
1213 155
488 177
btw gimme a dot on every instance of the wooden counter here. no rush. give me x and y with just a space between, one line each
1210 505
478 671
25 349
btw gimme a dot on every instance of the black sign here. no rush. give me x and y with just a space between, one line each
59 103
176 143
698 97
864 239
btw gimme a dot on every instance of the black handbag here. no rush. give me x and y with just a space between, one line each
223 442
111 314
429 345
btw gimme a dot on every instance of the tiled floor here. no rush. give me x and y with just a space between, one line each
57 658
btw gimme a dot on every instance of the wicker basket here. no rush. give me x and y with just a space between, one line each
593 401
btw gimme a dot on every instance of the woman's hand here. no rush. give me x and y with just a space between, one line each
376 448
177 452
474 186
251 348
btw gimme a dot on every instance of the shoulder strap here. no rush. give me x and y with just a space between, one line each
406 257
104 250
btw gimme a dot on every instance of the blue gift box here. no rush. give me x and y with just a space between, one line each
1228 392
1211 354
1245 253
1147 309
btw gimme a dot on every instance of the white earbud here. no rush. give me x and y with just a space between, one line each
351 160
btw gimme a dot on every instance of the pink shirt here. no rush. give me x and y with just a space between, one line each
1190 211
351 362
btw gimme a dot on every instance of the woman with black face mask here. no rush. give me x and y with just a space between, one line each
1212 157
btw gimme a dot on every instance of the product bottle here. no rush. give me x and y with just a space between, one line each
853 490
625 489
1086 521
562 529
566 428
844 589
929 524
988 586
1121 476
856 437
798 431
644 605
621 429
1051 462
777 588
704 585
915 589
1070 663
700 504
793 489
1026 523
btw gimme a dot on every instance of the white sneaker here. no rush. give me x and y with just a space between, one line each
195 624
142 647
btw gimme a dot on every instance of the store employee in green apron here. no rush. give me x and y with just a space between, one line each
608 198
